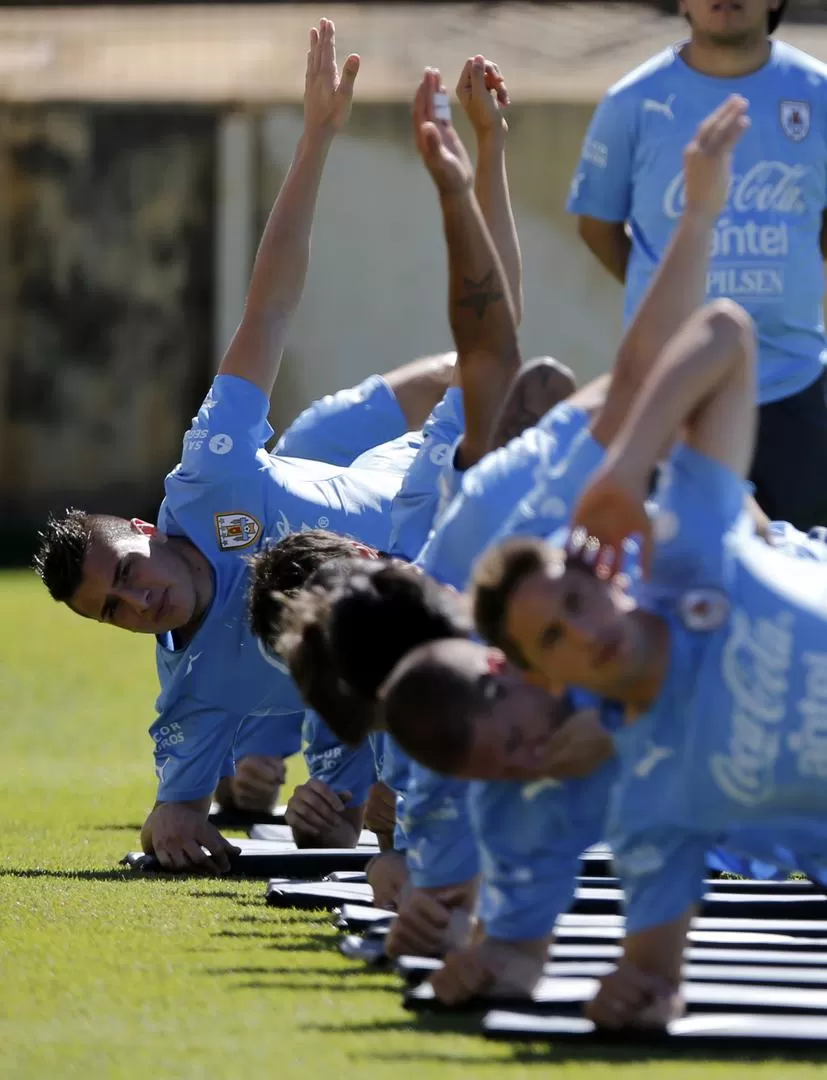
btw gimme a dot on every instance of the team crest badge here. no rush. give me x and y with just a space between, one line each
704 609
795 119
236 530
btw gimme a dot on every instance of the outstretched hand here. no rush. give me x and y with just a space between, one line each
440 148
707 160
611 510
328 95
484 96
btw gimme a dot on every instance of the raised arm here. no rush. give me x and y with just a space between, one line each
280 267
483 95
679 286
480 310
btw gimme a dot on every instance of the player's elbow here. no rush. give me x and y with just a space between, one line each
732 327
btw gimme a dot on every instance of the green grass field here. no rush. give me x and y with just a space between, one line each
103 974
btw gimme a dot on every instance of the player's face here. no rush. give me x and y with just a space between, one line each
575 630
728 22
512 733
138 583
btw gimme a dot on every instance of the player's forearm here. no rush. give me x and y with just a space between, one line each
609 243
659 950
482 321
480 310
491 187
689 372
676 291
281 263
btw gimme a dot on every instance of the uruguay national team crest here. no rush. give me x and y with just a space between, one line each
236 530
704 610
795 119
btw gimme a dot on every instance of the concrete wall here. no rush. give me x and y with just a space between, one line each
109 226
377 289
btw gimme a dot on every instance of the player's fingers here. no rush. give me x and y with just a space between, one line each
349 73
429 911
721 121
607 1012
464 81
165 858
328 49
323 794
193 856
306 818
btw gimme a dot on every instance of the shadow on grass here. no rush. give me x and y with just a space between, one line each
115 828
325 985
123 874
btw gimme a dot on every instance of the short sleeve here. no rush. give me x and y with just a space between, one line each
602 183
269 735
696 502
529 865
441 846
230 429
416 505
662 873
191 746
341 767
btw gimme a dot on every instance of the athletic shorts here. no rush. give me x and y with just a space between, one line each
789 469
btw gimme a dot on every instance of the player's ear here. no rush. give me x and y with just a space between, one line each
496 660
364 551
146 528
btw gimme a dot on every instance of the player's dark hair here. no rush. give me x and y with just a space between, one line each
428 706
282 570
386 610
306 647
347 629
496 575
774 17
62 548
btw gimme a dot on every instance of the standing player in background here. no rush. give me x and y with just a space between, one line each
767 251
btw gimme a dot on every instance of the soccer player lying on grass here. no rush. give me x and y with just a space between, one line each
717 656
185 579
484 371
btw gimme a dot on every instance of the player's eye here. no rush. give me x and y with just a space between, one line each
492 688
572 602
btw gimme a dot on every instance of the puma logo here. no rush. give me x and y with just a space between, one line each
662 107
654 756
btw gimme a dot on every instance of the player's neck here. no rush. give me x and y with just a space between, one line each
203 581
642 689
722 62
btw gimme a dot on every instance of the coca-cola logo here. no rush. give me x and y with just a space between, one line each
769 186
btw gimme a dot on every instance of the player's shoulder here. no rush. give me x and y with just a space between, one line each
793 63
645 79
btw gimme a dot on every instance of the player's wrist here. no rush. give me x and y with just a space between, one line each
491 139
315 139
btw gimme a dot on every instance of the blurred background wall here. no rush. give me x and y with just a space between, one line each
140 150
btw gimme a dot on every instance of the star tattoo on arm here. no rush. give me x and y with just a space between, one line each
481 294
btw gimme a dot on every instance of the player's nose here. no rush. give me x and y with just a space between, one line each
137 599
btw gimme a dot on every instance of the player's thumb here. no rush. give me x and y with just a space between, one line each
349 73
430 139
344 797
478 76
